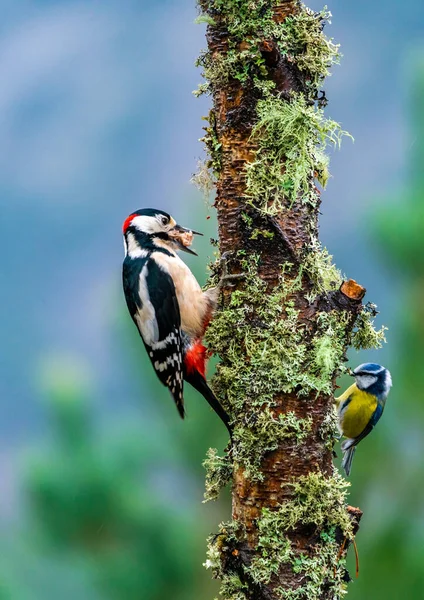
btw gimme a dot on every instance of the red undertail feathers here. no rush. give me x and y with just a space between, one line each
195 359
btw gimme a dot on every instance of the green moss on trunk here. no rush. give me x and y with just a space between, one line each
296 133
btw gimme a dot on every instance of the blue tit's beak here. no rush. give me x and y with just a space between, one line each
351 373
177 232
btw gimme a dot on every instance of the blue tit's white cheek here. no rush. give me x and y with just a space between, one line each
365 381
388 380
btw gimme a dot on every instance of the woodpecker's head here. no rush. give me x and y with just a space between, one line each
149 228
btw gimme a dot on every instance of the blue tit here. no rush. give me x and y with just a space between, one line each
361 406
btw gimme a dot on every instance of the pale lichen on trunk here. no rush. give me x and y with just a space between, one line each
283 330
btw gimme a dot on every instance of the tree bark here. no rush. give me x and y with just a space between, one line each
244 554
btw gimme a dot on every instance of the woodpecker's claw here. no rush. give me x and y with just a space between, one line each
223 262
224 267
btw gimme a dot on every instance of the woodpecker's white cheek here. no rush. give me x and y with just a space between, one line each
133 249
145 316
147 224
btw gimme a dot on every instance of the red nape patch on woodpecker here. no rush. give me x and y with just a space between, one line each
195 359
127 223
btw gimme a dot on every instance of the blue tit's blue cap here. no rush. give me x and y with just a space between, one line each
369 368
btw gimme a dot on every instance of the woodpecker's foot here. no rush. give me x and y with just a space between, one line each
231 276
225 277
223 263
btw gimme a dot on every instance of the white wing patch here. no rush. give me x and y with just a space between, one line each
171 337
193 303
145 316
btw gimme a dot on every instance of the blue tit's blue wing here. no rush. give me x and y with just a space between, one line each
377 414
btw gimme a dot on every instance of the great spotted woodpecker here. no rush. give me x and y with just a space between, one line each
167 304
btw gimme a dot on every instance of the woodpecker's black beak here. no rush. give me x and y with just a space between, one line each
178 234
180 229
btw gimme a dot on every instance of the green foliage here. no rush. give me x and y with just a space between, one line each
328 347
291 138
262 433
266 327
90 495
299 38
303 41
317 501
242 65
219 472
321 566
243 18
257 233
322 273
273 345
204 179
274 549
208 170
329 431
204 19
321 573
261 342
365 336
231 586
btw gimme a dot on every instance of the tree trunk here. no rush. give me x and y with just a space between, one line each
285 325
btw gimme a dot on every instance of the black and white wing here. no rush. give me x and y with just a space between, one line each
153 304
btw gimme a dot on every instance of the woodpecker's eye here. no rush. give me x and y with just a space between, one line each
164 220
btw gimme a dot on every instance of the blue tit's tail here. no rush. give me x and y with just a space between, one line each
348 449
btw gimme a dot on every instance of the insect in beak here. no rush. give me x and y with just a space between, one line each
183 238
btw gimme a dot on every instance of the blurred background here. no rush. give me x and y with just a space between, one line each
101 484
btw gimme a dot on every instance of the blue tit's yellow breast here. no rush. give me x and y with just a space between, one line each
358 413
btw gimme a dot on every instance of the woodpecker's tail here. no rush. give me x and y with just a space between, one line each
199 383
179 402
175 384
195 374
348 454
